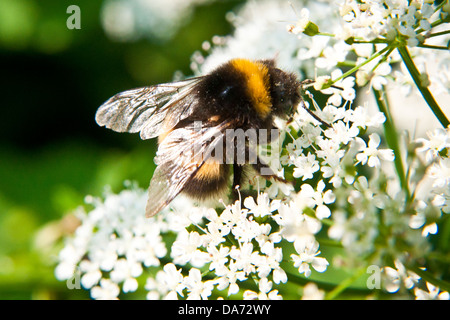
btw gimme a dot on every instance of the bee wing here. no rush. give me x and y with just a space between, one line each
180 155
145 109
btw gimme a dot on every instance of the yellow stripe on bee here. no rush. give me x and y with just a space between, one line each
257 77
209 170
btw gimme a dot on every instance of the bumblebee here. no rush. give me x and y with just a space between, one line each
240 94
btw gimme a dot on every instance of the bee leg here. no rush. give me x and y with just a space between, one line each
237 178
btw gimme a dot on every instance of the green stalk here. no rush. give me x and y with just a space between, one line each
443 285
437 34
391 135
415 74
325 34
374 56
345 284
428 46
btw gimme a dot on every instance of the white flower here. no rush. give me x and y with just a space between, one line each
310 133
338 229
332 114
276 186
346 91
246 231
308 253
371 154
330 152
233 215
430 229
266 237
341 132
420 218
379 19
228 277
216 233
197 289
271 262
296 226
115 245
184 249
167 283
361 117
440 173
438 140
433 293
305 166
116 227
379 78
312 292
246 259
69 256
218 257
108 290
442 200
263 205
265 292
126 270
131 20
319 198
259 34
335 172
398 276
302 22
332 55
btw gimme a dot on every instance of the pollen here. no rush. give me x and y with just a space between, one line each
257 79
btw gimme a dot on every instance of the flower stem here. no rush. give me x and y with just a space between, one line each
345 284
428 46
356 68
390 133
437 34
443 285
415 74
326 34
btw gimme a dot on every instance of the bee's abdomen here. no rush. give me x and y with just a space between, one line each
210 180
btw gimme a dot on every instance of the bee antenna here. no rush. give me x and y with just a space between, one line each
314 115
336 87
308 83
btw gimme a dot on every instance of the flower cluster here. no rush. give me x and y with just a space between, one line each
115 243
113 239
135 19
356 42
363 193
388 19
216 252
251 252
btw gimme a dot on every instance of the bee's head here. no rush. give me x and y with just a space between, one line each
285 92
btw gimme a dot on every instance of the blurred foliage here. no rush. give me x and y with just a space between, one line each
52 153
